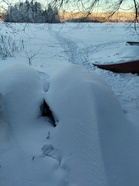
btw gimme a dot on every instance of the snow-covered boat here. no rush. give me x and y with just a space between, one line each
124 67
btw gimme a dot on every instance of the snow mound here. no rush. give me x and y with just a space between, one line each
22 89
129 51
98 141
92 144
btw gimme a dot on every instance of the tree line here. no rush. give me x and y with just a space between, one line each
31 12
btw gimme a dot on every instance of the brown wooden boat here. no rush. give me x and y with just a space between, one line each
125 67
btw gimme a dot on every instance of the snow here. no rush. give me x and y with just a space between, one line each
95 141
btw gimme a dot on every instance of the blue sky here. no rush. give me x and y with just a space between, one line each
100 7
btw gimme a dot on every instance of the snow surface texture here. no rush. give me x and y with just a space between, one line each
102 143
101 149
2 122
96 138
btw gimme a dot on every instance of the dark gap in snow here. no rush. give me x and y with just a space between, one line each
46 112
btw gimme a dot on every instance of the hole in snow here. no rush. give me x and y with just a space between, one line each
46 112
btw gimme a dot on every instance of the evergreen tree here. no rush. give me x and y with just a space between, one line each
31 12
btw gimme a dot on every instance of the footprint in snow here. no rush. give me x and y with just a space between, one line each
45 80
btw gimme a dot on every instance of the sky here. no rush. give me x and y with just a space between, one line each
77 5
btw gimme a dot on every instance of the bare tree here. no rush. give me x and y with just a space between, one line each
111 6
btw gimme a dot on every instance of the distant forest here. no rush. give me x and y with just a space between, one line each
31 12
